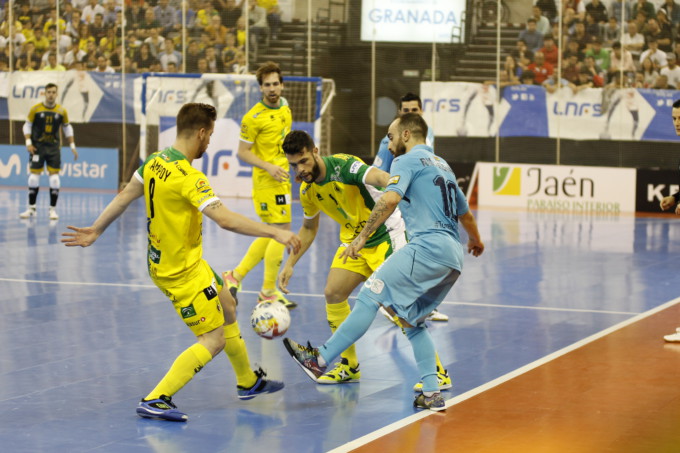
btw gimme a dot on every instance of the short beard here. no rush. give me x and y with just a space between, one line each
399 150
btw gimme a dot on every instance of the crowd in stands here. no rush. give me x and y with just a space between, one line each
600 42
88 35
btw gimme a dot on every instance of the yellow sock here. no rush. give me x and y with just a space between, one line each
235 349
253 256
272 262
336 315
185 366
440 367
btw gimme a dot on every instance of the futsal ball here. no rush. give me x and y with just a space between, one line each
270 319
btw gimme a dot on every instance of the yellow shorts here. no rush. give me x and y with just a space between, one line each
195 300
273 204
371 258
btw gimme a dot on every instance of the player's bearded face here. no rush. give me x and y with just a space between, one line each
313 174
397 146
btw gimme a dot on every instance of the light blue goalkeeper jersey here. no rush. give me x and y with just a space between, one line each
431 204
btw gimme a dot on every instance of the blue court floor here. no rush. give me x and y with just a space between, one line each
85 334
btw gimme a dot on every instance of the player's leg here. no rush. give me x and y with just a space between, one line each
197 303
424 353
275 206
53 160
33 188
249 383
342 279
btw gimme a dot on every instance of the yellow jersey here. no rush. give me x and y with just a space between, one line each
175 194
266 127
344 197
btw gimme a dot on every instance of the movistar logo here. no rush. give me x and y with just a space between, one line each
507 180
13 163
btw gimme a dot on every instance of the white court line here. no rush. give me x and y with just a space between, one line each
474 304
496 382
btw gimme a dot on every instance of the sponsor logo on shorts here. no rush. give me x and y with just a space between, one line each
210 292
154 255
281 199
195 323
188 312
263 207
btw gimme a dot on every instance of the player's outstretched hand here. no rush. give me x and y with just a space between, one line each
83 237
284 277
352 250
476 248
290 240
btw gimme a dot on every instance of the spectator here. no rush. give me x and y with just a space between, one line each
230 14
542 22
541 69
143 59
204 14
73 54
573 48
662 83
51 49
169 54
111 13
527 77
190 19
53 20
657 57
25 15
522 54
548 8
583 81
107 45
509 75
577 7
240 66
259 29
649 73
616 7
230 51
148 24
579 35
31 55
215 64
672 11
632 41
217 32
97 28
550 51
597 9
532 38
600 55
611 33
662 36
593 28
155 41
103 65
91 10
52 64
166 16
596 72
645 7
134 14
571 68
193 54
202 64
621 60
672 71
551 84
171 67
73 26
40 40
273 16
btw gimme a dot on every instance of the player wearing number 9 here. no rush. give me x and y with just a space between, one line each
177 196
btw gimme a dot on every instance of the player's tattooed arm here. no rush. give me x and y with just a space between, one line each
214 205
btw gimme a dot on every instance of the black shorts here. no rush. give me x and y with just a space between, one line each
49 154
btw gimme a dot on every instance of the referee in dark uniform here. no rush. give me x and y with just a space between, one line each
41 131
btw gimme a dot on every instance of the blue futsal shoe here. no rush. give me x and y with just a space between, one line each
161 409
262 385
